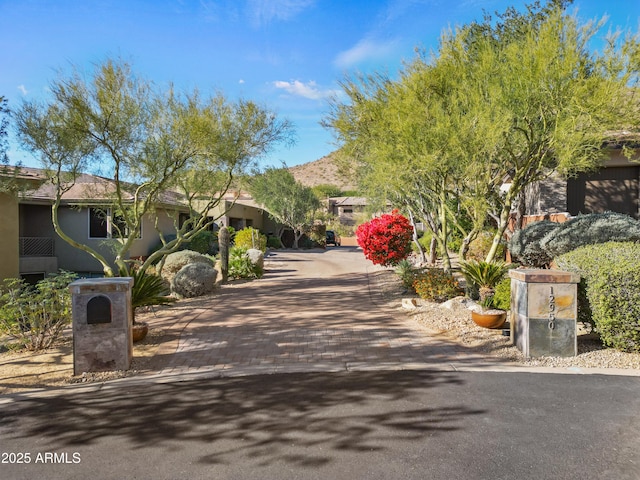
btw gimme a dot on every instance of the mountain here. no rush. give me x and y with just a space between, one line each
321 172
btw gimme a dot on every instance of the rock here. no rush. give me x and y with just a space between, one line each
177 260
194 280
410 303
256 257
459 302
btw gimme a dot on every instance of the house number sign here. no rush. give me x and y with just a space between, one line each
552 309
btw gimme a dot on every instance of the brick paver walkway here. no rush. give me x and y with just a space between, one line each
312 311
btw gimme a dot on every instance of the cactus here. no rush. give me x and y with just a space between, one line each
224 240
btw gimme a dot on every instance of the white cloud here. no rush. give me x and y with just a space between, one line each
23 89
365 49
264 11
241 81
300 89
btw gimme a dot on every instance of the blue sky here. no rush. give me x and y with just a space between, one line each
288 55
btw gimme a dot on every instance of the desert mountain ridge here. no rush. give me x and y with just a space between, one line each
321 172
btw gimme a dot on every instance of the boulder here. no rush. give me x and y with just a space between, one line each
177 260
256 257
194 280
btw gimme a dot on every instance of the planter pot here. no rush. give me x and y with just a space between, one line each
139 331
489 318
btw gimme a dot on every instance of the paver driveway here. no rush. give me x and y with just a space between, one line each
312 311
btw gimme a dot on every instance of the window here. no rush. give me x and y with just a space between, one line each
98 223
104 225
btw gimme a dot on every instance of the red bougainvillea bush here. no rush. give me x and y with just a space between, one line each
386 239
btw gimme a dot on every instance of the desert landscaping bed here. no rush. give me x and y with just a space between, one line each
453 321
22 371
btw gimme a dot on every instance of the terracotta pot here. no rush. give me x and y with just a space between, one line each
489 318
139 331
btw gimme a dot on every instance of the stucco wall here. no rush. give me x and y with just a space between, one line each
9 234
74 222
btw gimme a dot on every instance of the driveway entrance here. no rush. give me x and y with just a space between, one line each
312 311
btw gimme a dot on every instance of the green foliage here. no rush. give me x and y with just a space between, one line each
437 285
150 140
204 242
36 315
502 295
287 201
609 290
4 123
525 246
147 290
251 238
518 97
590 229
326 190
274 242
241 266
480 246
484 276
318 236
407 273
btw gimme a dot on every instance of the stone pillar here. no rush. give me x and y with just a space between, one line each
102 320
544 312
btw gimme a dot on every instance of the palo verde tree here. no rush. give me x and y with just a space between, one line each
501 104
152 144
4 123
288 201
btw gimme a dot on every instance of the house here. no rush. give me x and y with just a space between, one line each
239 210
84 215
347 208
614 187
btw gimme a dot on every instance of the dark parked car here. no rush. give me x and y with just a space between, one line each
332 238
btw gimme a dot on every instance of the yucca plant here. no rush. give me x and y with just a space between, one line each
484 276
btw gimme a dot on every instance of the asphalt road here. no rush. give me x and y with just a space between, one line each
357 425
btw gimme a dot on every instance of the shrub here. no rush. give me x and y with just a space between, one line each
525 244
318 236
204 242
609 290
590 229
251 238
436 285
407 273
480 246
386 240
194 280
36 315
502 295
176 260
424 241
241 266
274 242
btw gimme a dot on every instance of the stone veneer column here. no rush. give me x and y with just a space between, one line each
102 320
544 312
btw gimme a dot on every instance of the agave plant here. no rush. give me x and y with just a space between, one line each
485 276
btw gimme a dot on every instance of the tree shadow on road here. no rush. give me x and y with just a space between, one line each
302 419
